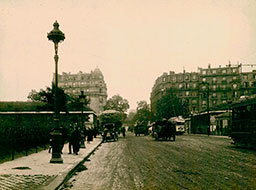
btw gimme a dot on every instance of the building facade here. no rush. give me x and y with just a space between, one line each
206 88
92 84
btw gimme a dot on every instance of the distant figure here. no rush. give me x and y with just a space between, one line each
64 137
50 141
69 140
50 147
83 137
218 129
85 133
89 135
95 132
208 131
123 131
75 140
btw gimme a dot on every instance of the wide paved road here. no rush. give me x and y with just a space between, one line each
191 162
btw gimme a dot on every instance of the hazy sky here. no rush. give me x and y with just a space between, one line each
131 41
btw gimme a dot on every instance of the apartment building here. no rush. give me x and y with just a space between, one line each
92 84
206 88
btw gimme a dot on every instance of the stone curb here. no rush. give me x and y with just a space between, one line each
63 177
217 136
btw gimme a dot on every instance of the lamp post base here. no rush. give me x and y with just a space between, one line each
56 147
56 160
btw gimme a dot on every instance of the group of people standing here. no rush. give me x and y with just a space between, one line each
78 137
75 138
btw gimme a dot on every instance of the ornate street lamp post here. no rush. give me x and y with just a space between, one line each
207 95
208 109
82 99
229 116
56 36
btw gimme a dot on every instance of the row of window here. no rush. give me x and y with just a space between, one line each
80 84
204 95
214 80
223 71
76 90
204 87
213 102
252 76
179 78
214 87
79 77
222 86
204 102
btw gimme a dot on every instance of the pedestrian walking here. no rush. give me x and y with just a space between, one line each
208 130
71 129
50 143
123 130
90 135
95 132
75 140
64 137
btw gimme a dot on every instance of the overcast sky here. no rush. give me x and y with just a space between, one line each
131 41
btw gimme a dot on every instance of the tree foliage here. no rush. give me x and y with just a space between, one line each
117 103
20 106
115 118
130 117
170 105
143 114
64 101
74 104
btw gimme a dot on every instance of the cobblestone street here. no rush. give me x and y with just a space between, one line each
191 162
35 171
15 182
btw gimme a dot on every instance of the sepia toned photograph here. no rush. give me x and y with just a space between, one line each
127 94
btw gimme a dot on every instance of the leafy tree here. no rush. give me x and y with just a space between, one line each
35 96
115 118
20 106
64 101
130 117
143 114
74 103
117 103
170 105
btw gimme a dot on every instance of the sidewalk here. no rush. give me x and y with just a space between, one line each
217 136
36 172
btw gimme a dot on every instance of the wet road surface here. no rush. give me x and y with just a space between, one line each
191 162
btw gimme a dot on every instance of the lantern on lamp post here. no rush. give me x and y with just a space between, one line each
82 99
